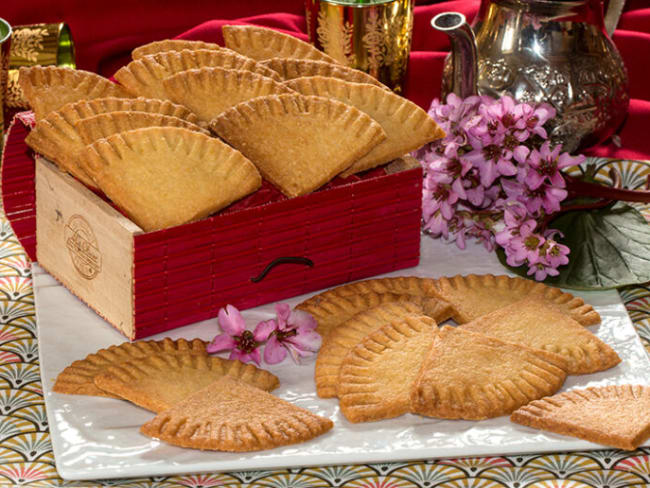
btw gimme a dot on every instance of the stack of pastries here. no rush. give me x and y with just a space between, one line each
190 126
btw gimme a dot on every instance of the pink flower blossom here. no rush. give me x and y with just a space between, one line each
437 225
294 333
524 248
517 224
494 179
534 118
545 166
243 344
541 270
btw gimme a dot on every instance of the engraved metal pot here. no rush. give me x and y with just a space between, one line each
554 51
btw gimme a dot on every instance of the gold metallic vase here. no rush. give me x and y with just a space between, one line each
373 35
37 44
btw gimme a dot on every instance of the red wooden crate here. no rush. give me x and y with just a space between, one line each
145 283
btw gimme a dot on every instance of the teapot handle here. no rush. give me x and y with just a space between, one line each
614 11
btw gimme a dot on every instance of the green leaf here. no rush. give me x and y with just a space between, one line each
610 248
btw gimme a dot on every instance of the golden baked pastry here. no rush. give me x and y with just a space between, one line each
171 45
78 377
378 374
330 312
326 307
407 126
144 76
232 416
533 323
289 68
48 88
476 295
158 382
346 336
56 137
167 176
472 376
298 143
210 91
616 416
105 125
260 43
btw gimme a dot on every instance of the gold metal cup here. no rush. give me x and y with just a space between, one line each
37 44
372 35
5 41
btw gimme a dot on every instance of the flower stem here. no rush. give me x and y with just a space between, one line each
579 188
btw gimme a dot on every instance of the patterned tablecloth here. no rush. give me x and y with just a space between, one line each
26 457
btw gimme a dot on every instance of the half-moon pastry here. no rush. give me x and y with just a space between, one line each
298 143
167 176
171 45
326 305
378 374
104 125
260 43
56 137
160 381
472 376
78 377
346 336
407 126
616 415
232 416
210 91
533 323
48 88
475 295
144 76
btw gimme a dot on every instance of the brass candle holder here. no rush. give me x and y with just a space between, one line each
373 35
37 44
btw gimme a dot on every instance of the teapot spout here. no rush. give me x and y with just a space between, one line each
464 59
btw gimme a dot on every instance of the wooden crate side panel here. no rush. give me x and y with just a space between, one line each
85 244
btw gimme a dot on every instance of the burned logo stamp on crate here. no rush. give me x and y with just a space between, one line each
82 246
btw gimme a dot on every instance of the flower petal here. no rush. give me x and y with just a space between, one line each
222 342
283 311
274 352
255 356
306 341
303 320
231 321
264 329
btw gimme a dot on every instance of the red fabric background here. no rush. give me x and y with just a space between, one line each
105 32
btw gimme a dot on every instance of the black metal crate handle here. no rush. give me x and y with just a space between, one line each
282 260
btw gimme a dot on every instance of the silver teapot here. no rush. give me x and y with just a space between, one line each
554 51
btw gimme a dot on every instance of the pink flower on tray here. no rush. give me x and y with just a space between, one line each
294 333
242 343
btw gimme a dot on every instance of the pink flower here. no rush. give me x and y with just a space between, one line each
554 254
524 248
437 225
494 177
546 197
294 332
545 165
541 270
517 224
534 118
243 344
